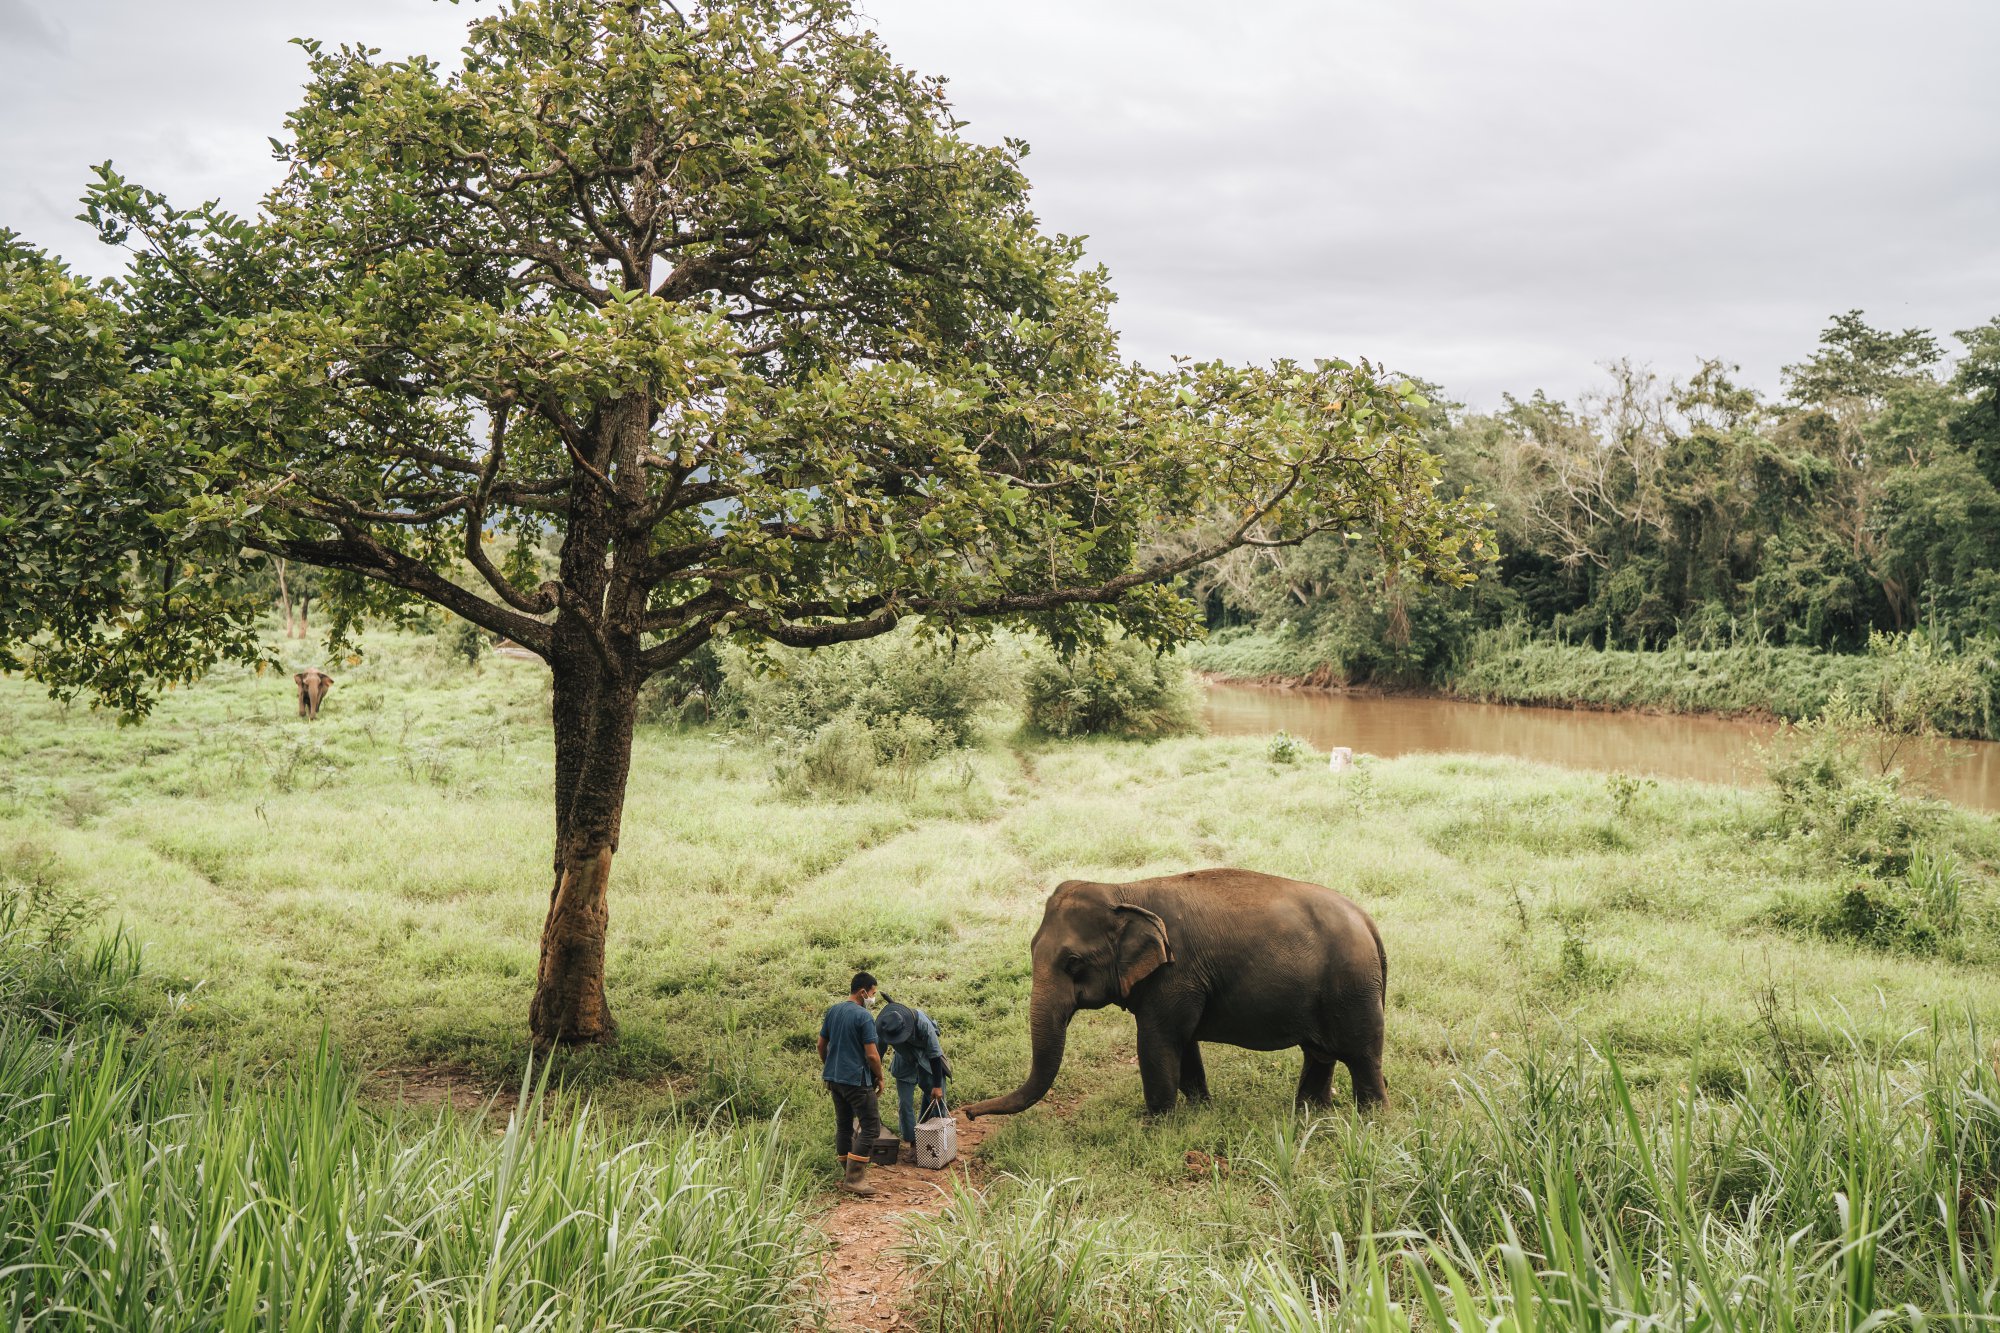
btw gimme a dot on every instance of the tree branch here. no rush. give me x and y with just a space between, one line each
543 601
361 554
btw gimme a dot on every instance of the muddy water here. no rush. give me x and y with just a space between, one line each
1705 748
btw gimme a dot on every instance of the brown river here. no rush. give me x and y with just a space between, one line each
1707 749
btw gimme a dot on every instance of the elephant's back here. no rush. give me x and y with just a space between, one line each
1254 893
1298 925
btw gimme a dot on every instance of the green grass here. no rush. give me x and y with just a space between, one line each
1901 681
135 1194
381 874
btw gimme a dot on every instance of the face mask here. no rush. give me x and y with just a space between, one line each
874 1001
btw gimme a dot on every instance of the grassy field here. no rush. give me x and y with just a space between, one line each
1592 988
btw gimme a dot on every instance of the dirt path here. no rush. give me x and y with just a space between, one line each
862 1285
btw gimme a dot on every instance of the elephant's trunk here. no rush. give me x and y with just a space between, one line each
1049 1012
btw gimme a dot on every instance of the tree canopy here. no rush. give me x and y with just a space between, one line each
1866 500
729 292
642 325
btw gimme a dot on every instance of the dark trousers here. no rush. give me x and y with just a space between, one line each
908 1091
854 1106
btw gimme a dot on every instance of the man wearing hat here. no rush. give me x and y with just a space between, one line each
919 1063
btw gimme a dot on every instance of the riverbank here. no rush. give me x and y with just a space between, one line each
1908 684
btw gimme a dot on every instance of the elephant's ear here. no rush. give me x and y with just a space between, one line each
1143 946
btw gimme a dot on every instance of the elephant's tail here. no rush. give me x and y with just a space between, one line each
1383 955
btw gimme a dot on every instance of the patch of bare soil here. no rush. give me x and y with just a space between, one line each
429 1087
863 1283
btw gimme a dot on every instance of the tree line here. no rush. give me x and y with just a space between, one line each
1654 510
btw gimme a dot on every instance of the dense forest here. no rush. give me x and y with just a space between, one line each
1686 512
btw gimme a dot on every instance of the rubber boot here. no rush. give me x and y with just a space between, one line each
857 1177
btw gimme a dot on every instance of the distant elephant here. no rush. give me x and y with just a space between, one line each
1232 956
313 685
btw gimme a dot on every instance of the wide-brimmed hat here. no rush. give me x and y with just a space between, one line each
896 1023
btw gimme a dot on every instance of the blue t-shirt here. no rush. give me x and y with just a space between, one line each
849 1030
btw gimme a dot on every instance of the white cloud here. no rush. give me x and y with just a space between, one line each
1493 196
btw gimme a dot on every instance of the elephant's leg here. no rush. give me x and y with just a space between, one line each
1159 1066
1358 1043
1194 1079
1369 1089
1316 1082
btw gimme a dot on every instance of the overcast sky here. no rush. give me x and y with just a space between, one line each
1496 196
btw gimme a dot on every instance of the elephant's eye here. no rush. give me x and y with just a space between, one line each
1070 964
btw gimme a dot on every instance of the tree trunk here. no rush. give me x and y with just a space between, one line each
594 710
284 598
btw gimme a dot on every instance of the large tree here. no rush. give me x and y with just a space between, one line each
716 303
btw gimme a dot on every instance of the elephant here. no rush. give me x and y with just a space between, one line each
313 685
1231 956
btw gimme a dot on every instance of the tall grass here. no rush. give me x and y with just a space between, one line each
1909 683
135 1194
1848 1193
1256 654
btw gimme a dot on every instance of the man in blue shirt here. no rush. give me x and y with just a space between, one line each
851 1066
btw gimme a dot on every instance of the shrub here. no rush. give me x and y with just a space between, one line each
1579 968
1286 748
838 760
848 757
1625 790
1840 794
1926 911
1123 689
793 694
467 641
1924 687
51 976
689 691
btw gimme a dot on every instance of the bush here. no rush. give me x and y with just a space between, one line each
1286 748
52 976
880 682
1840 794
838 760
1925 688
453 642
1123 689
1926 911
689 691
847 757
467 641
